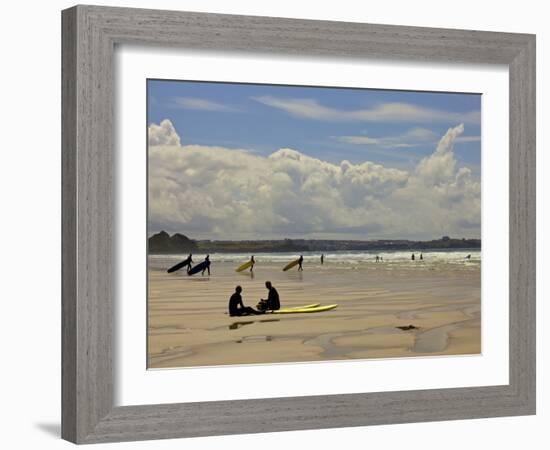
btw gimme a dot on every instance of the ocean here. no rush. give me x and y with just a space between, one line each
338 260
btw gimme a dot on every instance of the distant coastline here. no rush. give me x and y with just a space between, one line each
162 243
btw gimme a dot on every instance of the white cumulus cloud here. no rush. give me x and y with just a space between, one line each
163 134
221 193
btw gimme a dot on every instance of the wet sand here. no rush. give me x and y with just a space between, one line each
188 324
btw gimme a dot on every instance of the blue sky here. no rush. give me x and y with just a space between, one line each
243 161
393 128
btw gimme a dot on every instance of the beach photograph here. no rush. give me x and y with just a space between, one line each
293 224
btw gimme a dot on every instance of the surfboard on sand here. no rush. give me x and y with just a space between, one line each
244 266
314 309
290 265
198 268
179 265
312 305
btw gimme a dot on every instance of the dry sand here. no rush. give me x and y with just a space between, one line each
188 324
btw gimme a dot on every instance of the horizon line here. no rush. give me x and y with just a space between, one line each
445 237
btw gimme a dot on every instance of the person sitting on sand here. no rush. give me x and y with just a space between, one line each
300 261
272 303
207 267
236 305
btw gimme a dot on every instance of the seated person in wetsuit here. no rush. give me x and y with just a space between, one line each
236 306
272 302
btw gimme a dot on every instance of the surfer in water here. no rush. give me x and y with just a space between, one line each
207 267
322 259
236 305
300 261
272 302
412 257
421 257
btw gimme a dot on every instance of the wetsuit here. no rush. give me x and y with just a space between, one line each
237 308
273 299
207 267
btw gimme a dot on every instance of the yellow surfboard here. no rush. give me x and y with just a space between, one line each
312 305
244 266
290 265
304 310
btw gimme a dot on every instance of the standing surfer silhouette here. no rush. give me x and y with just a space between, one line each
207 260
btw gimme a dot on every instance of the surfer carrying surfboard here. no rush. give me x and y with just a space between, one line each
185 263
236 305
300 261
253 262
189 262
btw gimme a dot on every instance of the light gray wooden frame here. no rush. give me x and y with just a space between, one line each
89 37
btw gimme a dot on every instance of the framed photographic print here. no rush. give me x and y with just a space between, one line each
281 218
